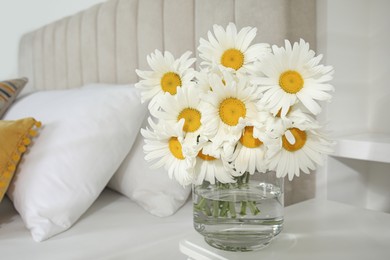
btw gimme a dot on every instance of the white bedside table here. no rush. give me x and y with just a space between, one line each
313 230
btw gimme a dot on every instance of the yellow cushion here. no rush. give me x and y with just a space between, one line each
14 138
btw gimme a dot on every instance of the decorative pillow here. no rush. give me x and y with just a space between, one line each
151 189
14 139
8 91
87 134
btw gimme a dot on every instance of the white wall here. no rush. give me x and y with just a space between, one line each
379 63
354 35
21 16
346 45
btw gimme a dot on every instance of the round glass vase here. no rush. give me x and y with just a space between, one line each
241 216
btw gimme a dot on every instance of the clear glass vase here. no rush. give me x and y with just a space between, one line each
241 216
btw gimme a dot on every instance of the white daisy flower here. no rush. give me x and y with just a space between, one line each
187 105
298 149
293 73
166 76
163 144
231 49
227 108
249 153
210 167
296 115
205 78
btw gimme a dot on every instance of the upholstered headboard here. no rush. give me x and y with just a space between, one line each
107 42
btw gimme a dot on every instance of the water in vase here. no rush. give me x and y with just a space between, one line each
238 217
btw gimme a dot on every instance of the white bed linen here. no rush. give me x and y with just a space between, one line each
113 228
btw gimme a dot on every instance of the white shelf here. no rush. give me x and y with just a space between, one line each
365 146
314 229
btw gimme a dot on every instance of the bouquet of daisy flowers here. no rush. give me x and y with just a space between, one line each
249 109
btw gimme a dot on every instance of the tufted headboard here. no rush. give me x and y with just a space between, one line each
107 42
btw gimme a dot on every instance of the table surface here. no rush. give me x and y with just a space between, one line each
314 229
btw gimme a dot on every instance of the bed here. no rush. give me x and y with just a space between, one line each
100 233
75 64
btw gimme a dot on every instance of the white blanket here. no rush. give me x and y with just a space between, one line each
113 228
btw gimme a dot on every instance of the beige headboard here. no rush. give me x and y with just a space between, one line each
107 42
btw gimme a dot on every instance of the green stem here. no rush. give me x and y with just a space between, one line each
243 208
215 209
224 209
219 208
232 209
246 177
200 204
207 209
253 207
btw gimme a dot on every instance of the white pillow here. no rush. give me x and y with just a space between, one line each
85 136
151 189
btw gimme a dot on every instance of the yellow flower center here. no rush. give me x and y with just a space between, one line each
291 81
170 81
192 119
230 111
300 140
232 58
175 148
248 140
205 157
